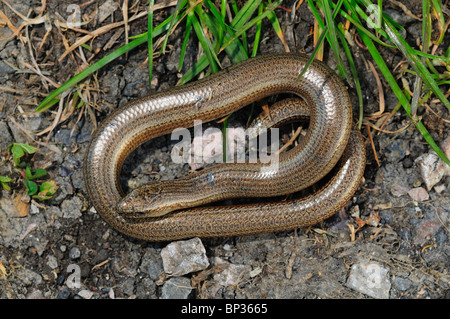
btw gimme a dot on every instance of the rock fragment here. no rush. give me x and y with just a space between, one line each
370 278
183 257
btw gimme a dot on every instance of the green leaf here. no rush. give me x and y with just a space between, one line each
28 174
49 187
5 186
31 186
46 190
18 150
4 182
27 148
17 153
5 179
39 173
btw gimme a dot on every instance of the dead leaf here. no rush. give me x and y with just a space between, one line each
22 207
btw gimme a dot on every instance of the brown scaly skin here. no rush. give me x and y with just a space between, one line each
329 138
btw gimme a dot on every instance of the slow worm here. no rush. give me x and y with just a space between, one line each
330 142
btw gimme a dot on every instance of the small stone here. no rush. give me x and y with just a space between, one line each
52 262
5 137
127 286
60 278
408 162
255 272
398 190
354 211
35 294
176 288
419 194
183 257
396 150
71 208
74 253
426 230
63 294
151 264
85 294
34 210
370 278
29 277
440 188
432 169
231 274
445 145
402 284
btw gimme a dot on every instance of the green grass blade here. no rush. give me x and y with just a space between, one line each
272 17
401 97
332 39
185 42
180 4
205 43
354 71
426 39
437 8
201 64
243 37
250 24
258 32
49 100
245 14
140 39
415 62
353 20
313 55
380 13
150 42
235 49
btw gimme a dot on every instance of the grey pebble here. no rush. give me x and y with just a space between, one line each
52 262
127 286
231 274
35 294
151 265
85 294
5 137
71 208
63 294
370 278
401 283
74 253
432 169
183 257
176 288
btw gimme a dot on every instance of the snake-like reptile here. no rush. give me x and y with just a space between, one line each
329 142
